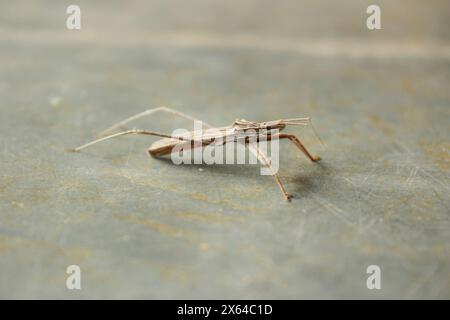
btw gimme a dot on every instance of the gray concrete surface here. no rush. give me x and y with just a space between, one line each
145 228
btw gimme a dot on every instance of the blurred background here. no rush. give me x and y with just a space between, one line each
144 228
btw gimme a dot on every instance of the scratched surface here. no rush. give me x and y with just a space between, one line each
145 228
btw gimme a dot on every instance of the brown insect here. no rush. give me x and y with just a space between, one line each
240 130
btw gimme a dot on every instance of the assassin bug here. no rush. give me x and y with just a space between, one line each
264 130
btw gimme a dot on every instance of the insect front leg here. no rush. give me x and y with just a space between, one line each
298 144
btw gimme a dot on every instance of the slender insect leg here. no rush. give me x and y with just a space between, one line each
149 112
135 131
264 160
299 145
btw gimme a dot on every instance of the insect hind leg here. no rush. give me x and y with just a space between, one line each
148 112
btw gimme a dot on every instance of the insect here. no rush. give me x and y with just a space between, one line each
239 129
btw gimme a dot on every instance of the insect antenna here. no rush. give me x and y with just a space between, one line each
316 134
295 121
304 122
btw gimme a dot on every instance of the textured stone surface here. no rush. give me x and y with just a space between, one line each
145 228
